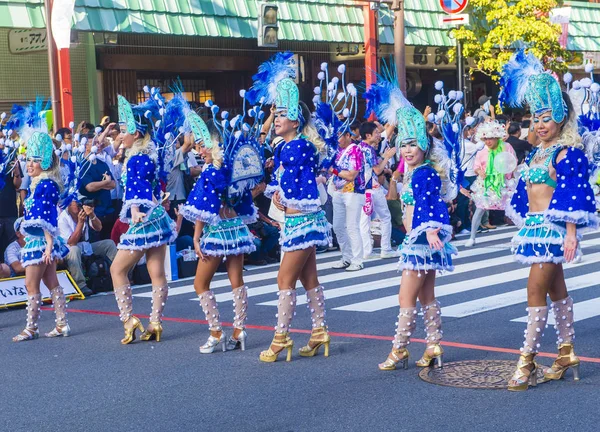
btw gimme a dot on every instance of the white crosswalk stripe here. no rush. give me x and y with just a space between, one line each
488 268
375 285
511 298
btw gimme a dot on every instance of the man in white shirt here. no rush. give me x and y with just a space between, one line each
73 226
375 193
12 254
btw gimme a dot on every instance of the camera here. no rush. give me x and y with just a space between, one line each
88 202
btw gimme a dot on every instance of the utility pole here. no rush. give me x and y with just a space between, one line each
460 67
370 10
52 69
399 47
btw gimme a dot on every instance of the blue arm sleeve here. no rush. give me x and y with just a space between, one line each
274 184
573 199
139 185
43 213
204 202
246 208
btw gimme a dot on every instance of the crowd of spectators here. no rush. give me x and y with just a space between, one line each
91 227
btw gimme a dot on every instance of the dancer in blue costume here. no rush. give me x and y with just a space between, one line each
432 175
148 133
553 205
587 104
220 206
294 191
43 247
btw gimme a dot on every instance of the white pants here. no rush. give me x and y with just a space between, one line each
381 212
347 208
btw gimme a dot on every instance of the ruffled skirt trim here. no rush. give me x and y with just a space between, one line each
34 249
421 257
157 230
539 241
228 237
303 231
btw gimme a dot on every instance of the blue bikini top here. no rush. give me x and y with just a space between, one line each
540 174
407 196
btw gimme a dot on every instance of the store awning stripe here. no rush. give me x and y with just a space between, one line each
302 20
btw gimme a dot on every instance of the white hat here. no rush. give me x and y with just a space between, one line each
491 129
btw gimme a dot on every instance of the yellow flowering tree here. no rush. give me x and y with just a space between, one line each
498 27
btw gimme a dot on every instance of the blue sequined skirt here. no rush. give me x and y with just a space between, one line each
35 246
420 257
228 237
305 230
157 230
539 241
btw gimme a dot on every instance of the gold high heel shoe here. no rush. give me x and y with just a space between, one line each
319 336
152 333
427 358
522 380
396 356
557 370
280 340
130 329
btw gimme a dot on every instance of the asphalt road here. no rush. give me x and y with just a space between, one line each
89 382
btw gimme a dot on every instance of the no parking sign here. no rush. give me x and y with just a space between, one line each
453 9
453 6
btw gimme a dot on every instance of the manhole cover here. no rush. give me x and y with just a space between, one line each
477 374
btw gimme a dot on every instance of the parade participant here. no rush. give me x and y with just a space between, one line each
553 205
150 228
430 179
375 200
345 161
494 166
220 205
43 247
294 190
588 107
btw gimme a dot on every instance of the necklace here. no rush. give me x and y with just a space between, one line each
545 152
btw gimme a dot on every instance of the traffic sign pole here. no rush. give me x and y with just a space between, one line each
460 66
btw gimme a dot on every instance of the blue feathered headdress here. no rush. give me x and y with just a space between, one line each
274 84
242 152
386 100
524 79
384 97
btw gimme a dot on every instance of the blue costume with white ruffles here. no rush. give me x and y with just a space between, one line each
296 183
541 237
430 212
41 215
142 189
220 237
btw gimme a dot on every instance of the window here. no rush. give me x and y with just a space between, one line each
204 95
194 90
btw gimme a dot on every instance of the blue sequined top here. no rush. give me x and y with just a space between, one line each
210 193
141 187
573 198
297 183
41 212
430 210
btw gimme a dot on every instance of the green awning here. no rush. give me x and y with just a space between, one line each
584 30
300 20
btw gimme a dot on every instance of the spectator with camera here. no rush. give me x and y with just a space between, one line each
74 224
97 184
